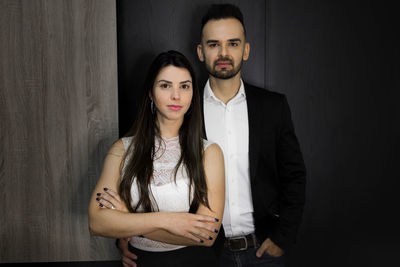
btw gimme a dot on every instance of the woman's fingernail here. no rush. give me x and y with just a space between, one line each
97 199
98 194
105 188
201 241
217 220
210 238
215 230
101 205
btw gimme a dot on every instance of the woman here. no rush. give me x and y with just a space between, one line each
163 171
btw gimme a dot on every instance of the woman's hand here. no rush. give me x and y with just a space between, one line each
193 226
110 199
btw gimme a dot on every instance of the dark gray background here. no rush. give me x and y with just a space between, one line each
337 62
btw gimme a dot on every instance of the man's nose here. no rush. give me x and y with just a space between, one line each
223 51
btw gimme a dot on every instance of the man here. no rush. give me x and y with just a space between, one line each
265 173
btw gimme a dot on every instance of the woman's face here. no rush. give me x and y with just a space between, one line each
172 93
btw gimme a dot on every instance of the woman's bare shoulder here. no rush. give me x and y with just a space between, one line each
117 149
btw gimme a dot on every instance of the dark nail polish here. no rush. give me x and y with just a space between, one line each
97 199
217 220
105 188
215 230
210 238
201 241
101 205
98 194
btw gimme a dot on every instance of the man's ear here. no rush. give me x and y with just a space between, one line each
246 51
200 52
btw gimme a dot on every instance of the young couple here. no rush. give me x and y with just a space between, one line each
164 190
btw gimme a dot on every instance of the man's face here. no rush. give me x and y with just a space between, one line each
223 48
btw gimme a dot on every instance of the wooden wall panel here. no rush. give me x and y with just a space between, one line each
58 117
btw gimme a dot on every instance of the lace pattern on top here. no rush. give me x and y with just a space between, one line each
167 195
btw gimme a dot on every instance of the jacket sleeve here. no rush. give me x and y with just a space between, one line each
292 180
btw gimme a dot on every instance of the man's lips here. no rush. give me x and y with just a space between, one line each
223 64
174 107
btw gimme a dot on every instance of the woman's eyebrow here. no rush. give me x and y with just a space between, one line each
165 81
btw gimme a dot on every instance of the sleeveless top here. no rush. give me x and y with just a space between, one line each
166 194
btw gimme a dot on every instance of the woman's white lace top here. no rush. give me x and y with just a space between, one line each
167 195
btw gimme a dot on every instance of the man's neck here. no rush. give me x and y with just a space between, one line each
225 90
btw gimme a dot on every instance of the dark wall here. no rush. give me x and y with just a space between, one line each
337 62
146 28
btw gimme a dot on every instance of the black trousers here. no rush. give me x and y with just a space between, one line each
187 256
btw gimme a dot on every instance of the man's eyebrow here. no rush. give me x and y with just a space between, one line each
230 40
212 41
235 40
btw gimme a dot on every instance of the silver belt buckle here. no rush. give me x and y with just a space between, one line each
236 238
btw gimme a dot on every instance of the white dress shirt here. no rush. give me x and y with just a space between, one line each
227 125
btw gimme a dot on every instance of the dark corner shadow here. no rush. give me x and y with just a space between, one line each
194 39
131 76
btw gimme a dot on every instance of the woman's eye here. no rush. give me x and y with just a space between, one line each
185 86
164 85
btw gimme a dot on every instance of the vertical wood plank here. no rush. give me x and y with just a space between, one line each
58 118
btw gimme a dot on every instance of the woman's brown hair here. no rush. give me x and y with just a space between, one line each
145 132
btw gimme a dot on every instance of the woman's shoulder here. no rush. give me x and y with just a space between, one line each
211 147
206 144
126 142
120 146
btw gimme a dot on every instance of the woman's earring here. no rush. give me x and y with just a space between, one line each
153 110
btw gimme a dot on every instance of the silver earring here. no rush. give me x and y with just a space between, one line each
152 107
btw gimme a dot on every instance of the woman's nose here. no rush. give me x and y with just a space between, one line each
175 94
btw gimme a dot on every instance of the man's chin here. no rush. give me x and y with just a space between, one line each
225 75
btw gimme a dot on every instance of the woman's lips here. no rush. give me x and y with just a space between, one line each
174 107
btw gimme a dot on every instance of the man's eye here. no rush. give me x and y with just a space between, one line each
234 44
212 45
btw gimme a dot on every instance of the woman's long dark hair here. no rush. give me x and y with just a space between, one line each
145 130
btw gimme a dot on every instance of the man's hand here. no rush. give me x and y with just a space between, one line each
127 256
269 247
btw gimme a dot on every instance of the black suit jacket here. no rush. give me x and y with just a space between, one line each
277 171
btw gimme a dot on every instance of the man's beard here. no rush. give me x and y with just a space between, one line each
223 73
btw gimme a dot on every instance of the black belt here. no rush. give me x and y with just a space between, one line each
238 243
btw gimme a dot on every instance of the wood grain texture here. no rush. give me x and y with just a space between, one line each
58 113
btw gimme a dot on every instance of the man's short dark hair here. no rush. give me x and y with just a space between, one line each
222 11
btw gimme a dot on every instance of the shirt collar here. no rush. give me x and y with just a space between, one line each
209 94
